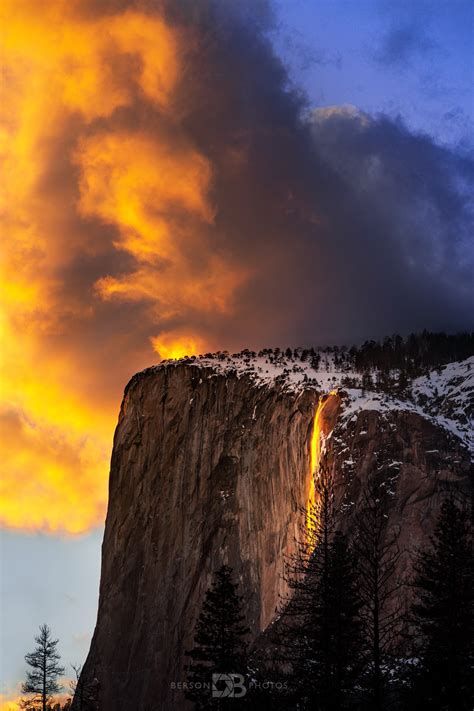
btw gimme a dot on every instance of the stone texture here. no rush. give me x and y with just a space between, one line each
420 463
211 468
205 469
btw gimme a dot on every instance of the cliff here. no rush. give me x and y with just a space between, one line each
212 463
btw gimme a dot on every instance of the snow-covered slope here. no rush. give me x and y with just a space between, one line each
445 395
448 394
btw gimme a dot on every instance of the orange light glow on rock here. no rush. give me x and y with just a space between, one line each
317 439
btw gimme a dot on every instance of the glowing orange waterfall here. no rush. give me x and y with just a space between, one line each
315 460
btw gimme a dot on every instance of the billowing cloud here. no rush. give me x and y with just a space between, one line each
99 207
168 191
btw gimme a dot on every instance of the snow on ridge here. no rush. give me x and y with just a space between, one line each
293 373
445 395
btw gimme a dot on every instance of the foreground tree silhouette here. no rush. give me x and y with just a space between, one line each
42 681
344 662
219 642
443 614
376 555
321 623
304 630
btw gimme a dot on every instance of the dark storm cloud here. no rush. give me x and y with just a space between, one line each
352 225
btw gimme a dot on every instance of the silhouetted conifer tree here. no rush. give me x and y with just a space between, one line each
42 681
344 664
219 642
376 555
443 616
322 628
303 627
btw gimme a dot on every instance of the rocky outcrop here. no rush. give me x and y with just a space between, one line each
206 468
419 463
213 466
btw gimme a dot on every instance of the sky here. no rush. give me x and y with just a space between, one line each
186 177
408 59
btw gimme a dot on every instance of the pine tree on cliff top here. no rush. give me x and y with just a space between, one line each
219 641
42 681
443 612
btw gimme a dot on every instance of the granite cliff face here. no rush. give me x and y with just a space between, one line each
212 463
421 463
206 469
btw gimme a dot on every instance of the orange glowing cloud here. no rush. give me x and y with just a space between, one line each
100 212
9 704
13 702
157 197
174 345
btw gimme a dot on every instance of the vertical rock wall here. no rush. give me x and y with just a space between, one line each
211 467
206 469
